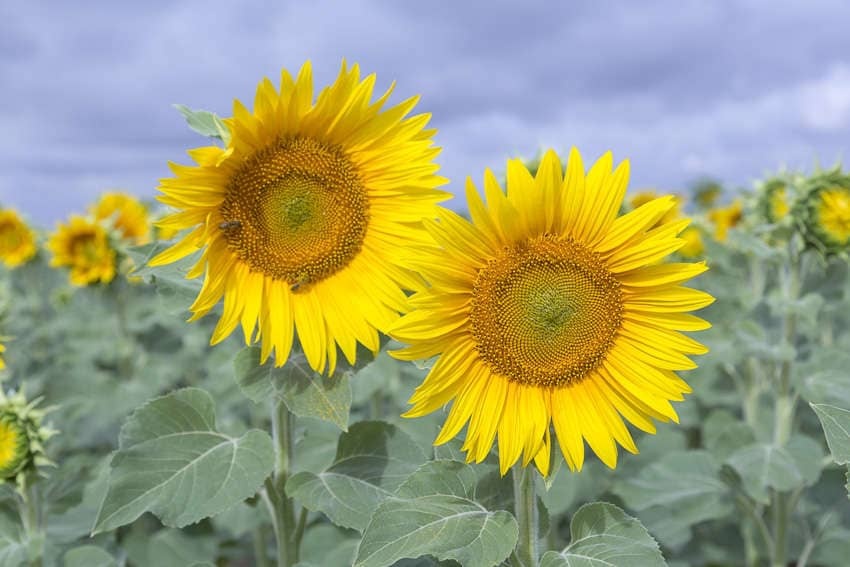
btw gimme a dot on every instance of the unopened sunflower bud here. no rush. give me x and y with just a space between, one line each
824 212
22 435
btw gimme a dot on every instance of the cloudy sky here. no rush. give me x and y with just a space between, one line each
684 88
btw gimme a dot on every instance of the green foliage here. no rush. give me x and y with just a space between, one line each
372 460
603 535
205 123
305 392
433 513
173 462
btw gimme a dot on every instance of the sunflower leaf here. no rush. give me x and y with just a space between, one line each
174 463
205 123
836 426
603 535
89 556
306 393
431 513
764 465
372 459
684 485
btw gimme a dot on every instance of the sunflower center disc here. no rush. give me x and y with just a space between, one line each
296 211
545 312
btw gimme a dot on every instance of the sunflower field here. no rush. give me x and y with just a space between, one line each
297 356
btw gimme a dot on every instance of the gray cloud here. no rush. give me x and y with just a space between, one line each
682 88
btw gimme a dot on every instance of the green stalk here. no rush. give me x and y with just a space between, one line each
786 400
282 508
31 520
525 506
260 559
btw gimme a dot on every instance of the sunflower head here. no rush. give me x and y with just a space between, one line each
301 218
550 312
22 435
17 240
2 361
83 246
775 200
824 211
129 217
693 248
725 218
706 194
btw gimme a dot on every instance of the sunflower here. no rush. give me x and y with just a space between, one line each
549 308
83 246
725 218
304 216
693 246
2 362
827 216
17 240
129 216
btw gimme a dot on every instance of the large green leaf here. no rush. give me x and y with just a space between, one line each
836 426
89 556
764 465
171 548
723 434
372 459
432 514
173 462
305 392
602 535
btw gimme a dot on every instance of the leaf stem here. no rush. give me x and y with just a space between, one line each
31 520
525 506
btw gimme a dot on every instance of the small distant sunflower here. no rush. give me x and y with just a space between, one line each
83 246
549 308
826 211
2 362
17 240
128 215
706 194
303 217
693 247
725 218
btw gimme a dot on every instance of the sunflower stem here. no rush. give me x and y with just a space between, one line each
282 507
260 558
525 506
31 520
786 400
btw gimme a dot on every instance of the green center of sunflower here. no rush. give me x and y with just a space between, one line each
296 211
545 312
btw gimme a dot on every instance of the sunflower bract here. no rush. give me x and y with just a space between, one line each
303 216
550 312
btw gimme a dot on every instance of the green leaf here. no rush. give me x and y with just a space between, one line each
89 556
171 548
685 480
602 535
723 434
764 465
306 393
836 425
13 541
173 462
372 460
431 514
205 123
175 292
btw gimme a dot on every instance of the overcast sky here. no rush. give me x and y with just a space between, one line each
731 89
